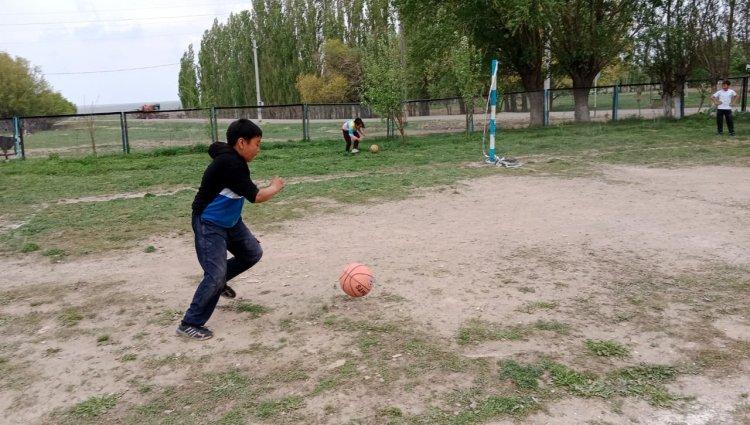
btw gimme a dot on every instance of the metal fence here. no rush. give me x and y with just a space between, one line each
136 131
144 131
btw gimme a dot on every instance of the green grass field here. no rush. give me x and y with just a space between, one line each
399 168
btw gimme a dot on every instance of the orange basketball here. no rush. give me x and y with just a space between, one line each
356 280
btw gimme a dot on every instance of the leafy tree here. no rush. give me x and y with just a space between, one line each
513 30
586 36
24 91
188 80
670 40
466 64
385 80
717 41
314 89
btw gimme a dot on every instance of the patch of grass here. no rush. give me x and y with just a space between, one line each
140 335
145 388
644 381
102 339
236 416
552 326
273 408
476 331
93 407
538 305
149 249
525 377
157 362
128 357
366 342
339 375
390 412
54 252
577 383
167 317
70 316
255 310
607 348
229 384
490 408
292 372
30 247
374 325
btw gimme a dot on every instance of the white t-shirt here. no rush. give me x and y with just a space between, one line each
725 97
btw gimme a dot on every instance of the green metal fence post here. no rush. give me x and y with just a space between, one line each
305 122
126 132
18 135
744 93
214 130
123 135
546 107
615 101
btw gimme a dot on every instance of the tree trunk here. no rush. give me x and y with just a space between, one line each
581 100
533 83
667 101
424 109
582 86
536 99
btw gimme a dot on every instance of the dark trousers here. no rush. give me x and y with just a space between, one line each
348 140
211 244
720 113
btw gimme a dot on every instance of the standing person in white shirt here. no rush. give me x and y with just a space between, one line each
724 99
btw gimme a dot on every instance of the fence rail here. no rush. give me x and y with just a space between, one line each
137 131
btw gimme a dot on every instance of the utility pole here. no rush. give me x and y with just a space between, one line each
257 82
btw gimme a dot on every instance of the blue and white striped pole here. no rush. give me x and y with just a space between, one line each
493 110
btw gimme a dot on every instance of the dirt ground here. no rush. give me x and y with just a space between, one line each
657 260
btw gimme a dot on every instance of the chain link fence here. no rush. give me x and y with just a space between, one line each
71 135
145 131
136 131
280 123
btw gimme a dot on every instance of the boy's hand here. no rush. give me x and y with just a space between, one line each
270 191
277 183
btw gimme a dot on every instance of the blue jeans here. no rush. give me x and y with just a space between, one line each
211 244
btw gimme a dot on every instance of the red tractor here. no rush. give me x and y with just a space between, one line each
146 111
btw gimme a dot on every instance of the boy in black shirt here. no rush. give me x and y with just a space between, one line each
218 225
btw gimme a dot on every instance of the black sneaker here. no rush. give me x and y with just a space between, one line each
228 292
200 333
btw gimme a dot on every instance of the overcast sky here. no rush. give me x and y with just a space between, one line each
75 36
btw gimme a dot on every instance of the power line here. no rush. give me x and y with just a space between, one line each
101 39
112 70
79 12
97 21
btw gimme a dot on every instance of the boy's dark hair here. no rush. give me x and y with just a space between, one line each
243 128
727 82
359 123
